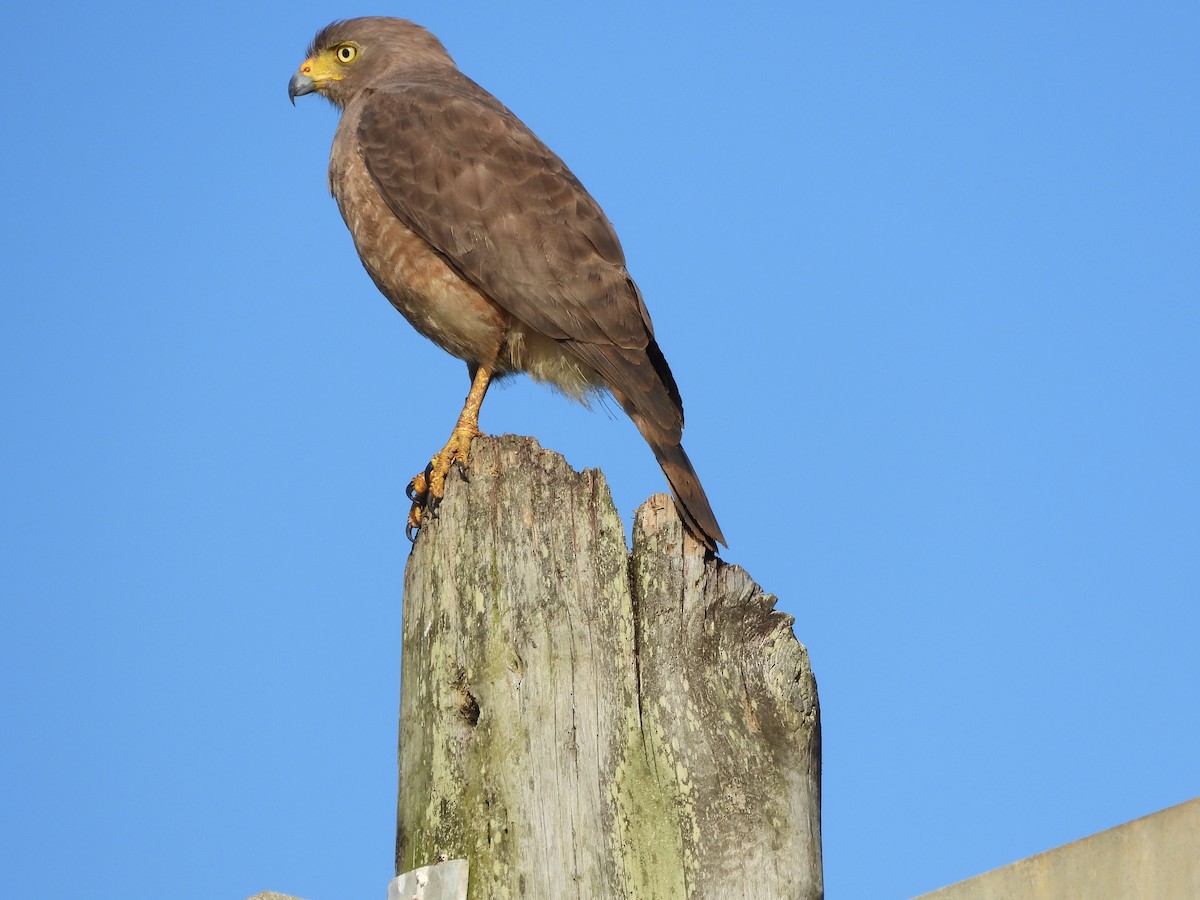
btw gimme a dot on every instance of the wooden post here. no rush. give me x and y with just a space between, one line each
579 722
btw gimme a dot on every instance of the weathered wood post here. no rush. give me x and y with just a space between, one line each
579 722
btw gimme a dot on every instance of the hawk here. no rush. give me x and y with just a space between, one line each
487 243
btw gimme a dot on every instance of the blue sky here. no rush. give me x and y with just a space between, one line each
928 276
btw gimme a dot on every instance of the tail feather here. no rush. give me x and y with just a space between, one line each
641 381
690 499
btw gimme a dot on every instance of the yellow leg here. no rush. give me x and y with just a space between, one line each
428 488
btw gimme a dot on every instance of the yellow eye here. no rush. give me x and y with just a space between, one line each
346 53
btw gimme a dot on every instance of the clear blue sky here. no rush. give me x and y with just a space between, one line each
928 275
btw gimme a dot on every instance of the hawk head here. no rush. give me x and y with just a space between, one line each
348 56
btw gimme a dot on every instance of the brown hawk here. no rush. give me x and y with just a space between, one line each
487 243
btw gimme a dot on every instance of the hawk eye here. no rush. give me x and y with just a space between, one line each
346 53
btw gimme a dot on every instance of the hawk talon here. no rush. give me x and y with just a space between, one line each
426 506
418 488
418 492
425 493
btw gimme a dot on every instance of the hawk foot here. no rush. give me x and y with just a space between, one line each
427 489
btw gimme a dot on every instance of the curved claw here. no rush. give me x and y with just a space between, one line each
416 513
418 489
418 492
426 489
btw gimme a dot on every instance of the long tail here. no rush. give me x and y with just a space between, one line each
641 381
690 499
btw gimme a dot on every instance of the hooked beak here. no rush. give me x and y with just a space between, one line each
300 85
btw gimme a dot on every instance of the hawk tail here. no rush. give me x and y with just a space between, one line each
690 499
640 380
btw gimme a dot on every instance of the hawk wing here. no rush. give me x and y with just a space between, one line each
470 178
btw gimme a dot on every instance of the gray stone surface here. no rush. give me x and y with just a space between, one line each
1153 858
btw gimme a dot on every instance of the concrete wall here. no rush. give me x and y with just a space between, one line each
1153 858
